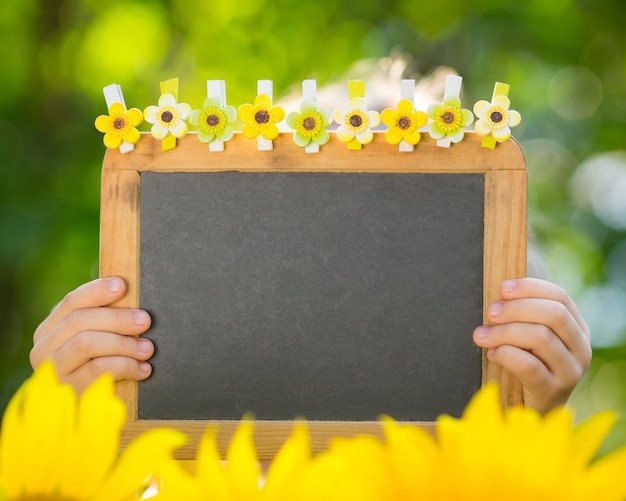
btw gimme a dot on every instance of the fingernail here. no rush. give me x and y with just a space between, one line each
509 285
495 309
140 317
114 285
145 345
481 332
145 367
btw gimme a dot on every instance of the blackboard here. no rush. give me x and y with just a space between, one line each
323 295
335 286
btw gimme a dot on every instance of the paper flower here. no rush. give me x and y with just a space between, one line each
403 123
56 447
356 122
239 477
495 118
168 117
310 124
213 121
120 125
261 118
449 119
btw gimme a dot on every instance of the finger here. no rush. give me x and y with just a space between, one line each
550 313
540 341
88 345
99 292
124 321
542 289
119 367
541 388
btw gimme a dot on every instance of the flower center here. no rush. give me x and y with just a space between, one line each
119 123
212 120
262 117
308 123
448 117
404 123
356 121
167 116
496 117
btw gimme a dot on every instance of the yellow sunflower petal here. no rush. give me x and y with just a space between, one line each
136 117
415 459
263 101
405 107
209 468
393 135
389 117
413 138
270 131
111 140
143 456
133 136
277 114
38 422
250 130
292 456
242 465
246 112
99 423
103 123
589 435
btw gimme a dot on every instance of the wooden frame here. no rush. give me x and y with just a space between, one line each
504 249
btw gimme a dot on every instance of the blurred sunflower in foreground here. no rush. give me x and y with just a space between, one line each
57 447
487 455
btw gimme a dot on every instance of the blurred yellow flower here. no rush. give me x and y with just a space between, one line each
55 447
239 477
261 118
489 454
168 117
403 123
120 125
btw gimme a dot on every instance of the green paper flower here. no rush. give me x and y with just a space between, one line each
310 124
449 119
213 121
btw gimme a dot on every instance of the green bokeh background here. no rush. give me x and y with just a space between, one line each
564 59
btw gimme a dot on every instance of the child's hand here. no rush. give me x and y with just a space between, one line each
85 338
540 337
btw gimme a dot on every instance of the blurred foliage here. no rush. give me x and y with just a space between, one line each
565 61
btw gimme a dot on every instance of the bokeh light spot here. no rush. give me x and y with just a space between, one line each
574 92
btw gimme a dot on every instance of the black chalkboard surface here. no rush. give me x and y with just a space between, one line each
333 296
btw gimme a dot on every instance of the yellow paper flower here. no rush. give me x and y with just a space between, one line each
449 119
120 125
403 123
356 122
168 117
261 118
495 118
239 477
515 455
55 447
213 121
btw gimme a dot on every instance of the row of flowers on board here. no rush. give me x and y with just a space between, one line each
214 121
